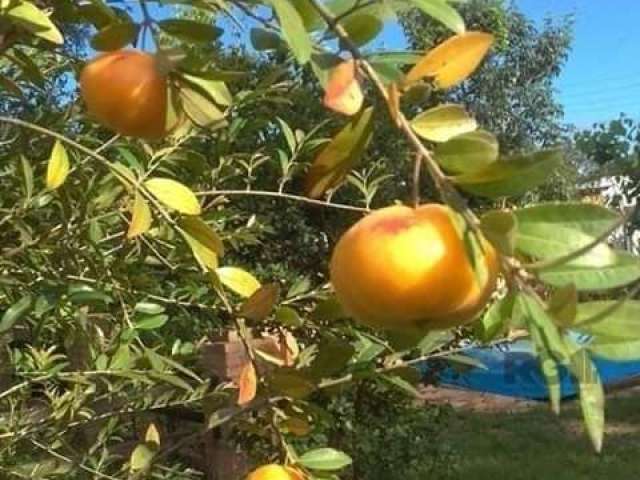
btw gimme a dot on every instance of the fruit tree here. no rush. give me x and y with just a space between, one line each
143 316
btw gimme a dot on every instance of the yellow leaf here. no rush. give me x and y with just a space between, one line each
238 280
174 195
248 384
393 102
140 217
453 60
343 93
443 123
205 244
58 167
152 435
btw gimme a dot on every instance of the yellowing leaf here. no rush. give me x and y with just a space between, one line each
238 280
203 240
140 217
58 167
152 435
174 195
343 93
338 158
31 18
443 122
453 60
248 384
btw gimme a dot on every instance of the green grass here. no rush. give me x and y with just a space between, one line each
535 444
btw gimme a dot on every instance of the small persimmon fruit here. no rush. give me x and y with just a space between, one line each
401 268
126 92
275 472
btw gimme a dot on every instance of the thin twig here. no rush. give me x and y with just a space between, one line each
284 196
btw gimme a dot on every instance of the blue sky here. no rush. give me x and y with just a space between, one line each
602 76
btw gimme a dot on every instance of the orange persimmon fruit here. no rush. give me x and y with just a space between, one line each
401 268
126 91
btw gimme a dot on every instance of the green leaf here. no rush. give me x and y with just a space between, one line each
337 159
147 308
531 308
615 350
172 380
402 384
621 269
551 241
367 348
324 459
121 360
441 11
262 39
10 86
549 368
466 153
332 357
511 176
563 305
115 36
587 218
174 195
496 321
288 317
591 396
190 30
151 323
238 280
58 167
362 28
15 313
433 340
205 243
613 320
82 294
444 122
293 29
291 383
310 16
141 457
34 20
500 228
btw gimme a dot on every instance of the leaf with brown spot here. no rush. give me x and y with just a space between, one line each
453 60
